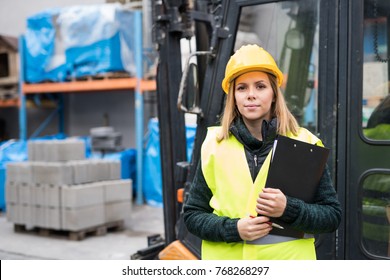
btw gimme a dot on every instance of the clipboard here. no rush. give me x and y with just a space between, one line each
296 169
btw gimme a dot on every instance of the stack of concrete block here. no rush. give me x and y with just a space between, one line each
63 190
56 150
116 193
18 192
96 203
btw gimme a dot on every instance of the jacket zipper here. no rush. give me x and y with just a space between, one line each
255 159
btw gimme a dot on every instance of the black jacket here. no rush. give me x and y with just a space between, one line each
322 216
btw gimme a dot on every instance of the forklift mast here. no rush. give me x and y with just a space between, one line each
175 21
170 27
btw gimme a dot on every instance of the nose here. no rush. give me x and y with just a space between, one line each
251 92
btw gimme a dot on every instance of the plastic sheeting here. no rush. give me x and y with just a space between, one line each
152 178
77 41
10 151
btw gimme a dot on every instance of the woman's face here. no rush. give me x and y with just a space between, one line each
254 96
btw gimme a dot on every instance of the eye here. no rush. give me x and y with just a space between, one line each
241 87
261 86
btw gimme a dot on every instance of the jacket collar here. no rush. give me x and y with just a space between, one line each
241 132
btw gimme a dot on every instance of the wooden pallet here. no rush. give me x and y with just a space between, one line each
78 235
9 102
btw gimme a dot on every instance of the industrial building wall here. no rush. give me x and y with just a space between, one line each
82 111
115 109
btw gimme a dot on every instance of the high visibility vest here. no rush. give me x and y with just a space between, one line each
226 171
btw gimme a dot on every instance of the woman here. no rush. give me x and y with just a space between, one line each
229 205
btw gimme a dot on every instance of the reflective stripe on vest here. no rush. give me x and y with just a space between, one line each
272 239
226 171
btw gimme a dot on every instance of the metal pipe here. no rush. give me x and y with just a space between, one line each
139 104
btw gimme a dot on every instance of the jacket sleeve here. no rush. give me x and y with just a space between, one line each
324 215
199 217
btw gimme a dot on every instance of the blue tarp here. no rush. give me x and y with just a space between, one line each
79 40
152 178
40 48
10 151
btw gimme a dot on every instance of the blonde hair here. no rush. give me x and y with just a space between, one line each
286 120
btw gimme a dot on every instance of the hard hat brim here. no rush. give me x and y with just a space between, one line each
245 69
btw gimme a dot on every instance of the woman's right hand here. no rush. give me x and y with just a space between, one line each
252 228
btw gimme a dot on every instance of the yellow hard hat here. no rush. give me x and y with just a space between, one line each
250 58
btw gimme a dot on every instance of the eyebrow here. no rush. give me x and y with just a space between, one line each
262 80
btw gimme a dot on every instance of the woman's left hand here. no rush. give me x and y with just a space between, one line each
271 202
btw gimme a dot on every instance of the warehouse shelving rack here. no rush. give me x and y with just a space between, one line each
9 103
136 84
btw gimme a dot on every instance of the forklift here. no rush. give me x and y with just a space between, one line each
334 55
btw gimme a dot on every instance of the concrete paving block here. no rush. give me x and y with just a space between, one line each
55 173
38 195
118 190
13 213
39 216
25 194
37 150
117 211
80 171
74 219
65 150
50 151
27 215
70 149
56 150
19 172
115 170
11 192
99 170
45 195
30 151
53 218
42 151
75 196
42 216
106 166
94 170
53 196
